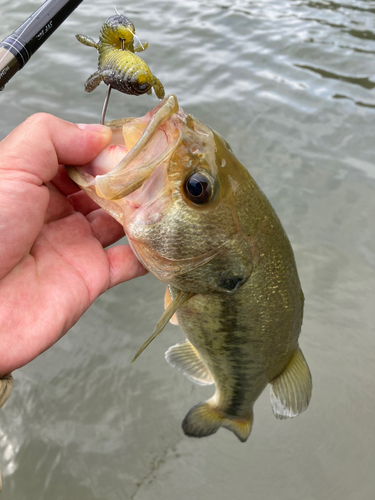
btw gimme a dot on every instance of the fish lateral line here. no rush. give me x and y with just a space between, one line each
180 299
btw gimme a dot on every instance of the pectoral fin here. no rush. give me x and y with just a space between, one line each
291 390
185 358
180 299
167 301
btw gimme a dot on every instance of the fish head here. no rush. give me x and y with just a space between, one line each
181 195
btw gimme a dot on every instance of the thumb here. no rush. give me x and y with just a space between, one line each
43 141
29 157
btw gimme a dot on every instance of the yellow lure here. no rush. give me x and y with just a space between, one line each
118 65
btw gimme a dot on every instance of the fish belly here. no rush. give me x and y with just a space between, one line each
226 350
235 339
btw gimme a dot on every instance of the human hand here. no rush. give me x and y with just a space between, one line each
53 264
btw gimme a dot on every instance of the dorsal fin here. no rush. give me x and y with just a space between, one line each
186 358
291 390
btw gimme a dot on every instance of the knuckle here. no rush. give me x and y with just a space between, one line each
39 119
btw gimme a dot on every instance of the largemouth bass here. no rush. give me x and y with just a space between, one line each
197 221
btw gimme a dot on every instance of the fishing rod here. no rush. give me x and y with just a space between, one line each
17 48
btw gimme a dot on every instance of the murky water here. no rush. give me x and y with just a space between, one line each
290 85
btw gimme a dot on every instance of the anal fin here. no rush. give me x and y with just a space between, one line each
205 419
186 358
290 392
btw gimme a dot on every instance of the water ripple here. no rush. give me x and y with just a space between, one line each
364 82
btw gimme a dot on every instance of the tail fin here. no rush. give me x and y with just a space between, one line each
205 419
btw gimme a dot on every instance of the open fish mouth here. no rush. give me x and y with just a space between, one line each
140 146
140 180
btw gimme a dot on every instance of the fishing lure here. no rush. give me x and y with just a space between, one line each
118 65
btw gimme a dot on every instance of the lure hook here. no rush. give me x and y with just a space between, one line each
105 105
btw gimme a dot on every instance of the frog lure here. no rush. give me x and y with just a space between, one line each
118 65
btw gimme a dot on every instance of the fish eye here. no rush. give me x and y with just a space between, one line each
198 188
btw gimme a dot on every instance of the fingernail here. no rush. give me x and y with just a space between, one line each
94 127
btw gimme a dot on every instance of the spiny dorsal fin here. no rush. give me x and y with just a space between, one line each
180 299
185 358
291 390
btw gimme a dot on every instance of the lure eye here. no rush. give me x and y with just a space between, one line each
198 188
143 86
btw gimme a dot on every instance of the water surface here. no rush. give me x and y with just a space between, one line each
290 85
